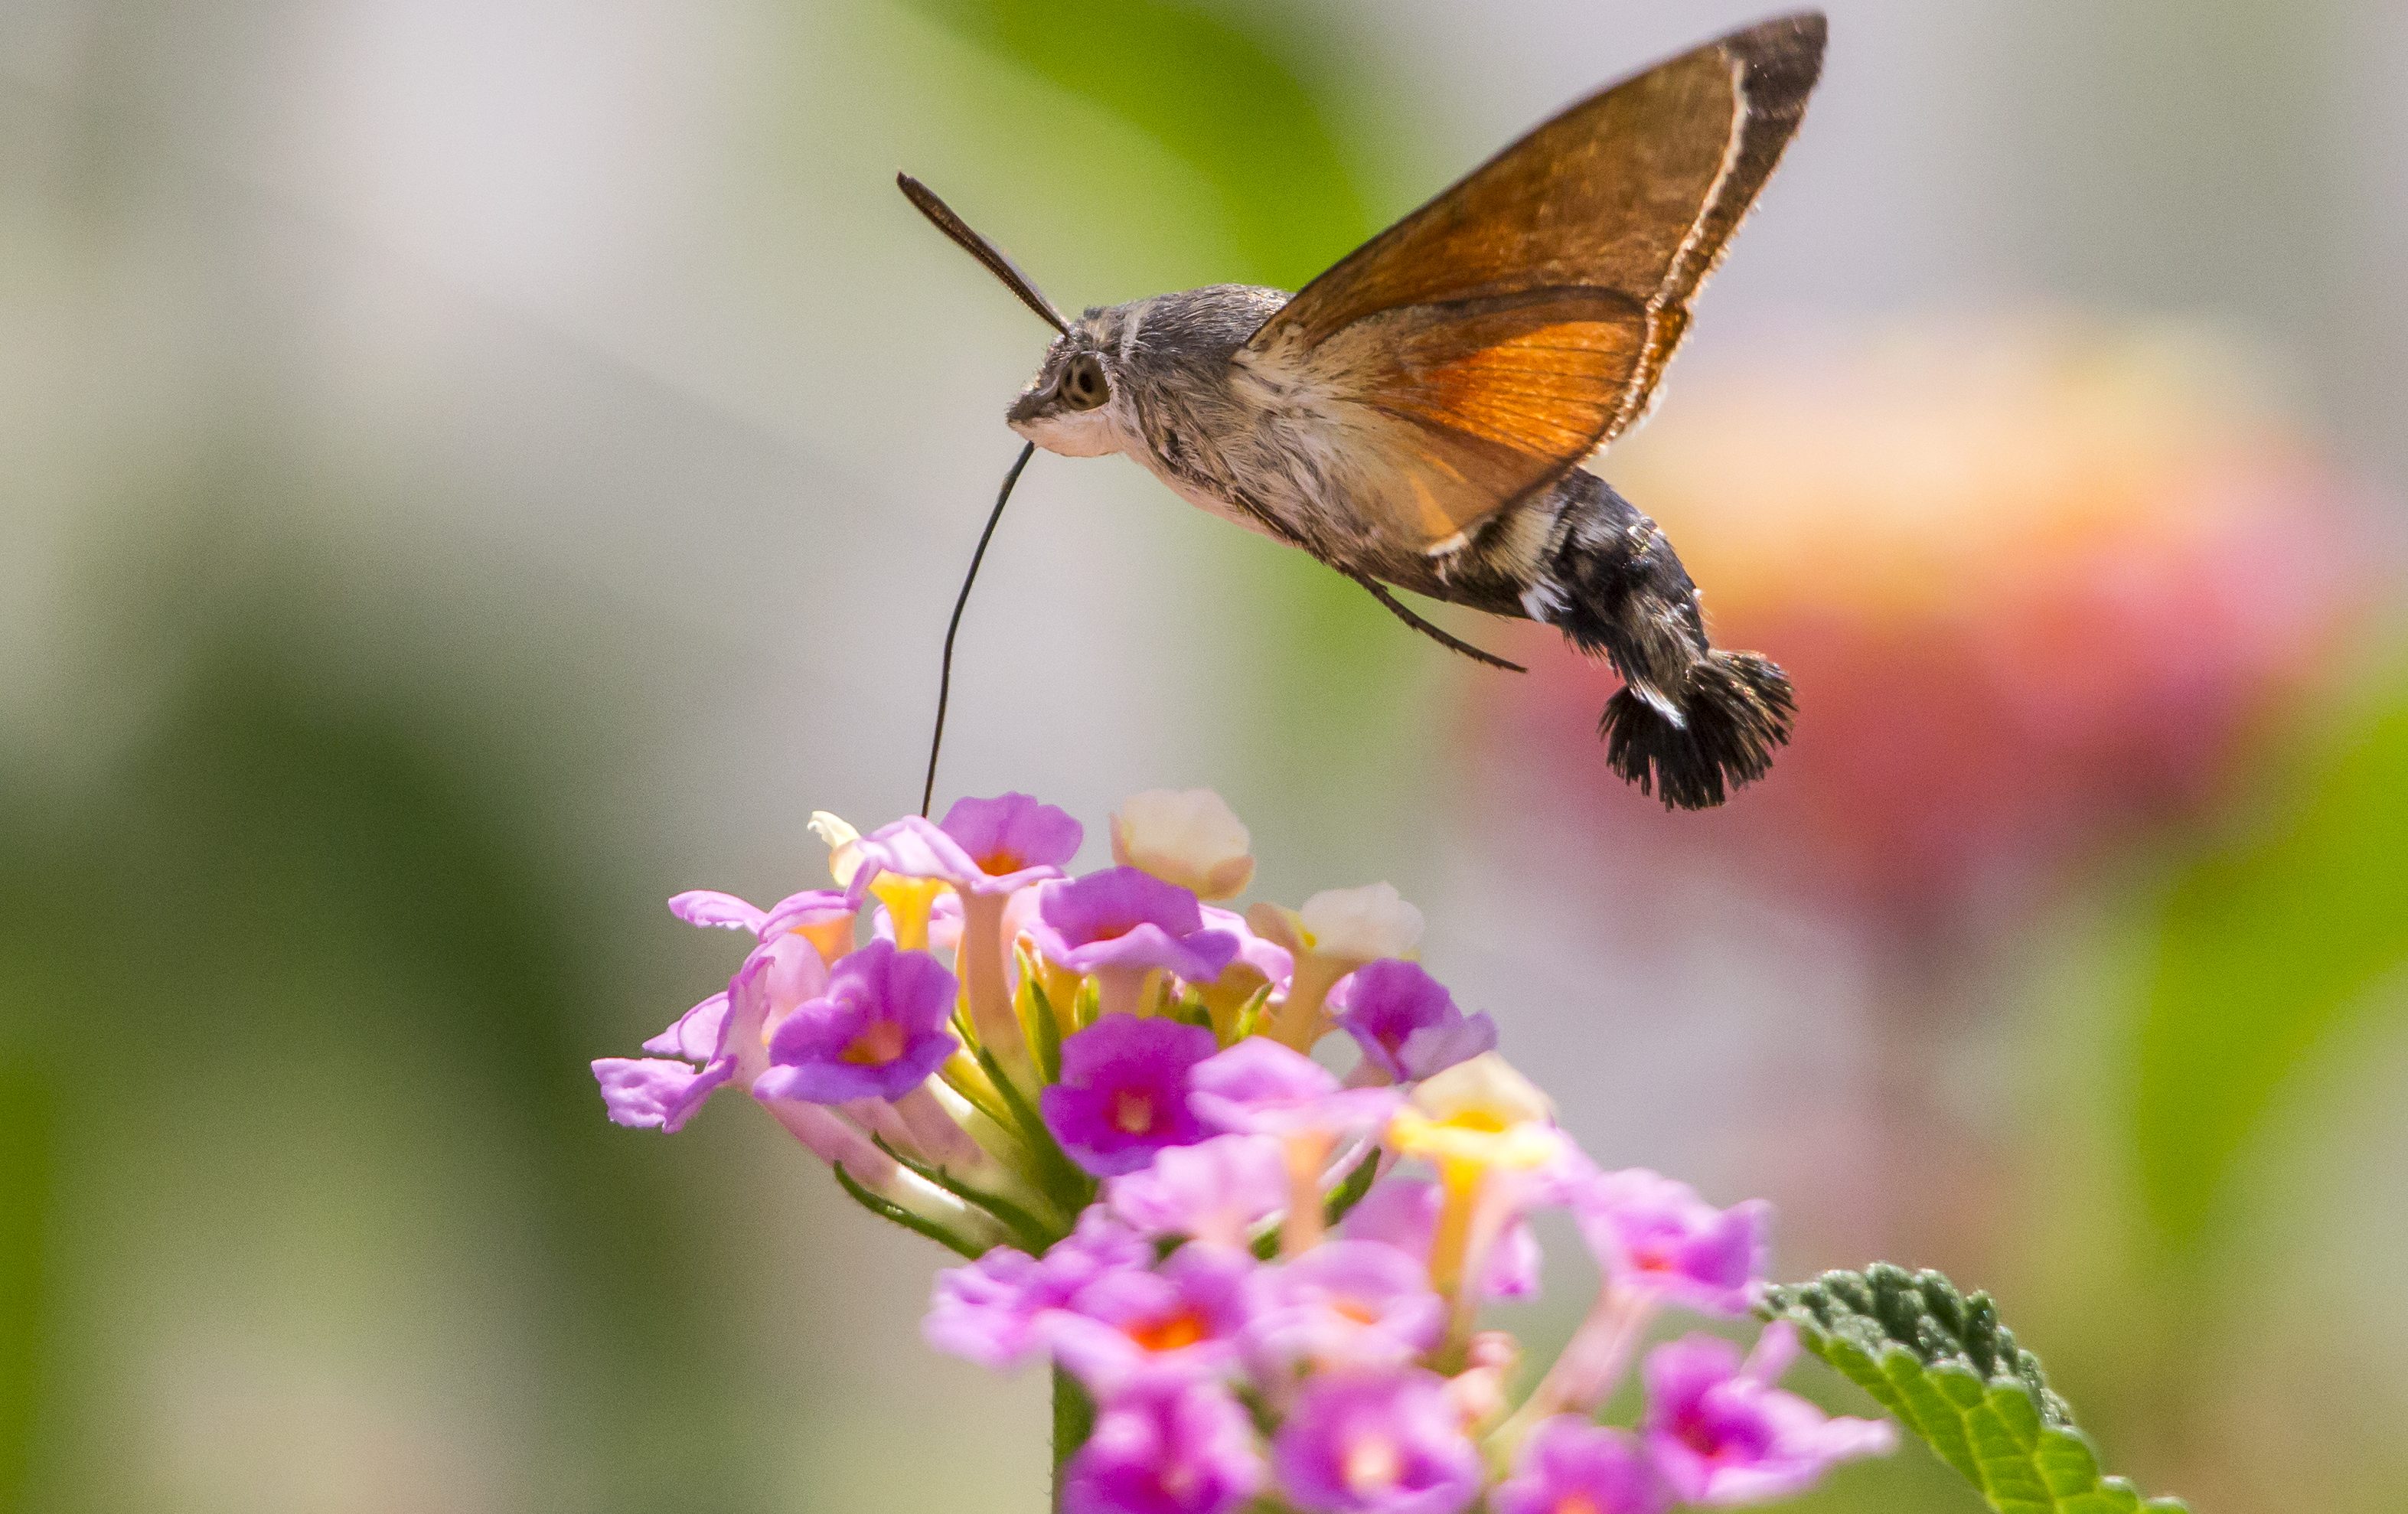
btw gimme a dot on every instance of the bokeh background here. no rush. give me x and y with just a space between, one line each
470 469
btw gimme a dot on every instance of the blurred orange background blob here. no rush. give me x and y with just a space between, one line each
2039 582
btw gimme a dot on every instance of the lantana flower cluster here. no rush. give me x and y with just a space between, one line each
1260 1281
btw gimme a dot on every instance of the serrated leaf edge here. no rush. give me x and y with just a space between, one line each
2064 1471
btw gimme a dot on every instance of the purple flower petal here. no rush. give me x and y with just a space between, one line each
1121 917
1259 960
1569 1463
1217 1191
1181 1320
1014 836
1367 1442
698 1034
654 1093
988 1312
1165 1448
877 1031
1721 1433
1344 1302
1406 1022
1653 1235
985 846
709 907
1122 1096
1263 1088
812 906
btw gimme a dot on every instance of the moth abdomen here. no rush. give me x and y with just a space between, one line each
1691 723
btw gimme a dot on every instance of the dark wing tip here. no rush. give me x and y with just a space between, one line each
1783 56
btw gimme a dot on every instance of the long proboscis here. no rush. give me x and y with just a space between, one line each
993 257
953 628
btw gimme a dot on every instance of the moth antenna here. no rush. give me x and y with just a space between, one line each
953 628
941 216
1452 643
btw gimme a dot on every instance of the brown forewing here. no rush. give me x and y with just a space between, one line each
1505 330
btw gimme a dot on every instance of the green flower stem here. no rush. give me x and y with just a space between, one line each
1074 1421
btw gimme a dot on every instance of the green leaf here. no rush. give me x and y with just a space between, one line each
1045 1030
2261 955
897 1214
901 1216
1359 1182
1251 1013
1190 1010
1942 1366
1034 1235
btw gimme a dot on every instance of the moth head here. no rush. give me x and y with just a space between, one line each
1073 405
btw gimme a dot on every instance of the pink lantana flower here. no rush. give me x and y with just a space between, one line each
1656 1236
876 1031
709 1047
1181 1321
988 1312
1126 920
981 846
1344 1302
1406 1022
1217 1191
1376 1442
1167 1447
1572 1466
1122 1096
1722 1433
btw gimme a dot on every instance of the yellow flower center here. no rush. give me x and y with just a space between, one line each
876 1046
1133 1112
908 901
1372 1465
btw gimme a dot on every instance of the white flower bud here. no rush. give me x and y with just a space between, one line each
1187 837
1362 924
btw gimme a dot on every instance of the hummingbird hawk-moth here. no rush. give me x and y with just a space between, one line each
1416 417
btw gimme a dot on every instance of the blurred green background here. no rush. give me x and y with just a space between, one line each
470 470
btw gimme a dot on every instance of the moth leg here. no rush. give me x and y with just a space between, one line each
1397 608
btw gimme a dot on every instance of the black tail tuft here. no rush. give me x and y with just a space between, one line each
1734 708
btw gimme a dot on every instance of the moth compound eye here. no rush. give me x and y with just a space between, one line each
1082 383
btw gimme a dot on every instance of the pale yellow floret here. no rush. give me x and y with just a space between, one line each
1187 837
1337 931
908 902
843 844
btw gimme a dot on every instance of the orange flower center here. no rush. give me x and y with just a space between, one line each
876 1046
1170 1333
1001 861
